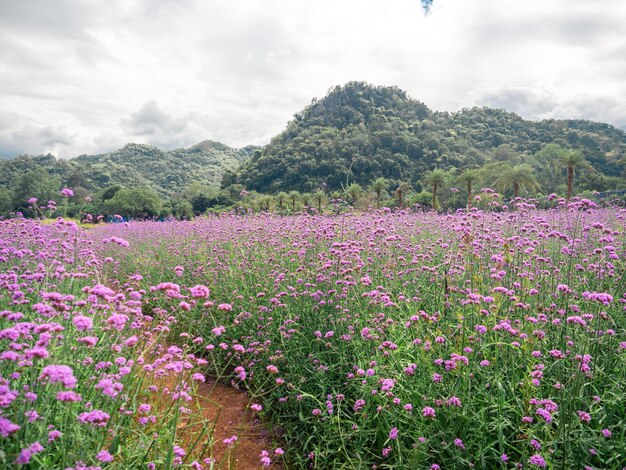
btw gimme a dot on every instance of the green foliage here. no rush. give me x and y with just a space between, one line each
516 178
35 183
134 166
135 203
381 132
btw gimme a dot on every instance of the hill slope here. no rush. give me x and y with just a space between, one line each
134 166
366 132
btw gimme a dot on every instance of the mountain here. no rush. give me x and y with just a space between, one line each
134 166
360 132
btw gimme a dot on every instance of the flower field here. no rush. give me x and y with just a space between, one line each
380 340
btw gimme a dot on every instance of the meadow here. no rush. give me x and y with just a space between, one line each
389 339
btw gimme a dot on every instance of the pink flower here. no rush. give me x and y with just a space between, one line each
68 396
537 460
58 374
428 412
7 427
199 291
584 416
67 192
96 418
104 456
218 330
82 323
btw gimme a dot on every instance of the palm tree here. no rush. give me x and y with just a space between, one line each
265 203
281 197
570 160
319 198
435 180
354 191
517 177
468 177
293 197
402 189
378 186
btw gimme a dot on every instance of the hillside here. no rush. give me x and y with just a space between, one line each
367 132
133 166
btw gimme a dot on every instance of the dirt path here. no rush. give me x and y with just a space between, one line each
220 411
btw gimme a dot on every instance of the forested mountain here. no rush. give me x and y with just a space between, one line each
360 132
133 166
361 143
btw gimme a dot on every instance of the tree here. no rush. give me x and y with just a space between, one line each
515 178
35 183
319 197
401 190
548 165
181 207
109 192
6 204
265 203
354 191
293 197
468 177
435 179
378 186
135 203
572 159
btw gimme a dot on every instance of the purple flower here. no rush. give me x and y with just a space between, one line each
428 412
454 401
393 434
68 396
358 405
24 457
218 330
67 192
200 291
104 456
96 418
537 460
7 427
58 374
583 416
82 323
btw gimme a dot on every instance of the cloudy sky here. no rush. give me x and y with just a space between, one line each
84 76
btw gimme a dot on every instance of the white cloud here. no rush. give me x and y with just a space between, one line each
83 77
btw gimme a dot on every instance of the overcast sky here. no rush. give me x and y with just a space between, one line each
82 76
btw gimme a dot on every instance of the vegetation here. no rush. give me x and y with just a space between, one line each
361 145
373 132
406 340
